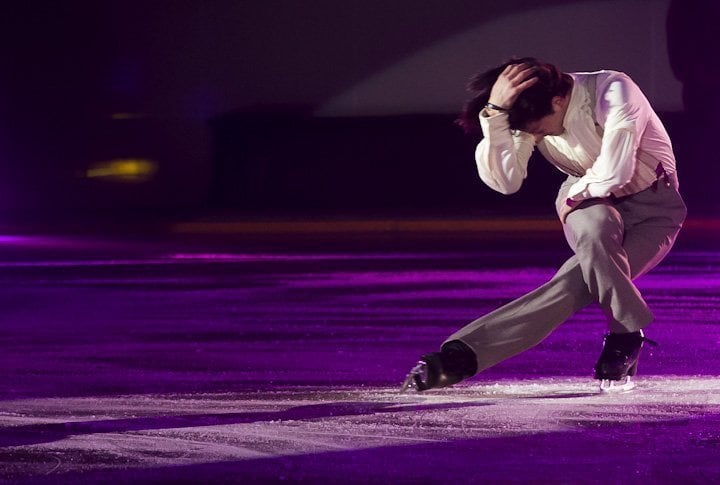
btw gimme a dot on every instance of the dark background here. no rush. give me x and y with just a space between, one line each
314 107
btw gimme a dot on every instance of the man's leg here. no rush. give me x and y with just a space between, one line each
507 331
599 271
623 242
653 218
596 232
526 321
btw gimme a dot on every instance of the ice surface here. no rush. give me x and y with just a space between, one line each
529 425
172 364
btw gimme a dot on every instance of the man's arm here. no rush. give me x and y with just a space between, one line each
502 156
623 111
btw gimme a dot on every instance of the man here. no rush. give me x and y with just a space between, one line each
619 206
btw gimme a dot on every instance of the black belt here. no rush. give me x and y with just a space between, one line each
661 174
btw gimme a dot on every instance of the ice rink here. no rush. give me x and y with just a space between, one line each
167 360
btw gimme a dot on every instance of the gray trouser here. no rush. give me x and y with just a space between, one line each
615 241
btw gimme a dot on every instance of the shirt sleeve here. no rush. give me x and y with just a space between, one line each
623 112
502 155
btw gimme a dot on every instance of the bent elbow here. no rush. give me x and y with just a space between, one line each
505 187
508 187
509 190
513 184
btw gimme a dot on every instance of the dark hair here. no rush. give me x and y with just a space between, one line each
531 105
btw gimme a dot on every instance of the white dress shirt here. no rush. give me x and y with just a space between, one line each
614 147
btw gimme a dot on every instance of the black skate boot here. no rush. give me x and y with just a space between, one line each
455 362
619 360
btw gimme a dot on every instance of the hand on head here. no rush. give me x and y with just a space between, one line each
514 79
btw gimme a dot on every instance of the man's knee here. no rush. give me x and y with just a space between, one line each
594 223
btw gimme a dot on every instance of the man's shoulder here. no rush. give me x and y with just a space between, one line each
601 74
605 80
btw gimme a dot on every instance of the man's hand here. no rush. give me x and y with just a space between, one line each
514 79
569 206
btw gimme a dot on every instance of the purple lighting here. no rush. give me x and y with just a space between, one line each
170 363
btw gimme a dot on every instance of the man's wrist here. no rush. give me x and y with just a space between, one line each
496 107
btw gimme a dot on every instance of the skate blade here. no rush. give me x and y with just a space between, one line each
608 386
410 384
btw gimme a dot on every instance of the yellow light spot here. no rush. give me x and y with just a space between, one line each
132 170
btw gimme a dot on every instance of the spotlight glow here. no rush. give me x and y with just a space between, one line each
131 170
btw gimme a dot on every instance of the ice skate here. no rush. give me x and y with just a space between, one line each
624 385
428 373
416 380
618 361
455 362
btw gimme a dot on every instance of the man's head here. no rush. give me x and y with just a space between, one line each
538 110
552 123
